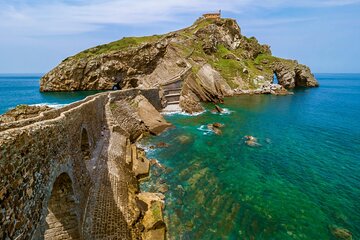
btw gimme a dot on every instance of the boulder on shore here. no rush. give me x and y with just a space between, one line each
153 120
151 205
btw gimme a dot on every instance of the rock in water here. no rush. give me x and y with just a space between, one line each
183 139
252 141
341 233
291 74
214 129
218 125
162 145
153 220
153 120
218 109
163 188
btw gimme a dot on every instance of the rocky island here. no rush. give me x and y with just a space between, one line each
74 172
205 62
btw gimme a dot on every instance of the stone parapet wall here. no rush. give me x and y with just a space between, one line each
34 152
32 157
43 116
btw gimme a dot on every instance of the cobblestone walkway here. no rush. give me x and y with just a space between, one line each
106 216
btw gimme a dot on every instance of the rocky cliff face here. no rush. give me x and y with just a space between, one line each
99 69
293 74
211 58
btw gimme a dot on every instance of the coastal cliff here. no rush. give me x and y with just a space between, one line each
211 58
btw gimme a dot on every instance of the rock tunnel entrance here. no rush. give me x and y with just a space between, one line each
275 79
85 145
62 221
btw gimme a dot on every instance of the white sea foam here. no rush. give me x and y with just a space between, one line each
145 147
225 111
205 130
52 105
183 113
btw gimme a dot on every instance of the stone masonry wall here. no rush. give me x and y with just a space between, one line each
62 220
35 152
34 156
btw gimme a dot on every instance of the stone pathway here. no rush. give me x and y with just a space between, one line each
107 211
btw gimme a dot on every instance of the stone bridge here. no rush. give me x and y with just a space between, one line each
63 173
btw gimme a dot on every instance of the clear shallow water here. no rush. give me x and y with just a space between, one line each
18 89
304 178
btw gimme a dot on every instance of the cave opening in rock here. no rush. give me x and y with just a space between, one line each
85 145
62 220
275 79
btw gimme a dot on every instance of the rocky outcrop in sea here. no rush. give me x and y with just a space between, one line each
205 62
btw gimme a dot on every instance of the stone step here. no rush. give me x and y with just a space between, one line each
172 95
172 90
172 99
173 102
172 108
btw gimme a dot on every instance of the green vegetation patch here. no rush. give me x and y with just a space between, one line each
228 68
264 59
124 43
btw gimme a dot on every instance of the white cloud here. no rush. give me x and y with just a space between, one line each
70 17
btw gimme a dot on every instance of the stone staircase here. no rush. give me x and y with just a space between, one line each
172 96
172 90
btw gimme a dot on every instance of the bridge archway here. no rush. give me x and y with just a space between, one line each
61 220
85 144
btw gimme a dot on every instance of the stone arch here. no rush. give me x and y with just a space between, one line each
85 144
275 79
62 217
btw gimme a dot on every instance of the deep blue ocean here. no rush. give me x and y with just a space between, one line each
303 182
18 89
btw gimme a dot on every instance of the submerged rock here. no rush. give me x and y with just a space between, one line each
162 145
250 138
251 141
183 139
163 188
341 233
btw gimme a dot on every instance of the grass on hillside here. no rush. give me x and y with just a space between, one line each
116 46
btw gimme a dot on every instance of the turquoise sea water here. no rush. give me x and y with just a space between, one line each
18 89
303 181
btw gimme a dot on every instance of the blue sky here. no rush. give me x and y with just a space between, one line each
37 34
